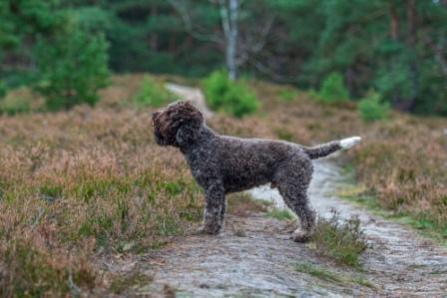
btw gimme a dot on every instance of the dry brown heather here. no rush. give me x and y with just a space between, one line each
90 182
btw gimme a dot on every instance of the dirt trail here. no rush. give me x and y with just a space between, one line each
254 256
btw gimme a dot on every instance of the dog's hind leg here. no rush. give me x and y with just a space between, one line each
214 209
293 182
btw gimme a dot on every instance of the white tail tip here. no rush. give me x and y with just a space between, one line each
350 142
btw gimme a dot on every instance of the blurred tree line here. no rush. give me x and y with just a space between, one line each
396 47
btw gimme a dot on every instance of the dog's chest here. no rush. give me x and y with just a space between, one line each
203 165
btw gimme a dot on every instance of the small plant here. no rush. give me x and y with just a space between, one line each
371 108
288 95
333 90
280 214
284 134
343 242
14 105
151 94
122 283
235 98
318 272
3 89
331 276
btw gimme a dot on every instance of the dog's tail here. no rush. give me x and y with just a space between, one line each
328 148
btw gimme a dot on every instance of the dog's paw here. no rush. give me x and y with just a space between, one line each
350 142
206 231
301 236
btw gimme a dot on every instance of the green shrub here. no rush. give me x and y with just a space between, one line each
235 98
151 94
73 66
333 90
14 105
3 89
343 242
288 95
371 108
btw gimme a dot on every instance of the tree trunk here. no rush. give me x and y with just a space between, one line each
394 23
394 32
411 43
229 15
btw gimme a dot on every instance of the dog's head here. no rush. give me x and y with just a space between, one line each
177 125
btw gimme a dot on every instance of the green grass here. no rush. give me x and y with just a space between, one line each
319 272
122 283
331 276
288 95
152 94
280 214
284 134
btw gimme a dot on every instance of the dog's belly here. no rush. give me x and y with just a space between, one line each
236 183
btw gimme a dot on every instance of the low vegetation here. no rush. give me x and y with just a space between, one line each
72 68
234 98
14 105
80 184
280 214
343 242
152 94
371 108
333 90
331 276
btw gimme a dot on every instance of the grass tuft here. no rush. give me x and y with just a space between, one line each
135 279
342 242
318 272
280 214
331 276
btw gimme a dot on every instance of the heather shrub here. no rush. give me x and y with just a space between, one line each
333 90
235 98
342 241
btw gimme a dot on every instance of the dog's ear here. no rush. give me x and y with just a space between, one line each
190 112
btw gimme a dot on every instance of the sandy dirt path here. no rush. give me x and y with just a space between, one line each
254 256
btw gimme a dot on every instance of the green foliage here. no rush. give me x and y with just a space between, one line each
14 105
318 272
405 69
371 108
333 90
122 283
288 95
3 89
332 276
343 242
280 214
152 94
73 66
235 98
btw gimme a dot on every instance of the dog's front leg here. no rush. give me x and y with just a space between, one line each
214 210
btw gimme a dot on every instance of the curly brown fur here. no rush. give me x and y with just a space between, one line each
224 164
